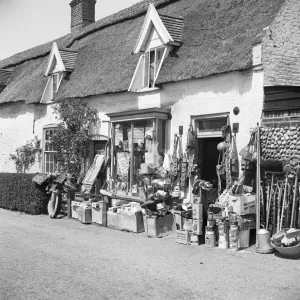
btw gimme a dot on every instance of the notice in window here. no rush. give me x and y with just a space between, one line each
139 134
118 136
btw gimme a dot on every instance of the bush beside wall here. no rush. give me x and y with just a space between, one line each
19 193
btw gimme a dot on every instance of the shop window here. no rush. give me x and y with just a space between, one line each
49 163
139 144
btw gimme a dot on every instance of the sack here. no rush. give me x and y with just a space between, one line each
249 152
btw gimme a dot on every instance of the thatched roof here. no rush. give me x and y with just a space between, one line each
217 37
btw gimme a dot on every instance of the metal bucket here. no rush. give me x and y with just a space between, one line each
288 252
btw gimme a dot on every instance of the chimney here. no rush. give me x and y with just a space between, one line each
82 14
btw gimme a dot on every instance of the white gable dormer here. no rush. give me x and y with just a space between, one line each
157 37
59 63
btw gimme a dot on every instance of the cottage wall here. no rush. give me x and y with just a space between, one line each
211 95
20 123
216 94
281 47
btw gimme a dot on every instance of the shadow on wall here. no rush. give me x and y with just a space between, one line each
39 111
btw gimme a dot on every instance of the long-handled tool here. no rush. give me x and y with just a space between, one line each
269 201
284 201
289 200
294 199
280 187
274 209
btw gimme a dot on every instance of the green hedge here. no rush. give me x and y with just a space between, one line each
19 193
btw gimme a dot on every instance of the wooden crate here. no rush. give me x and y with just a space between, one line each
183 237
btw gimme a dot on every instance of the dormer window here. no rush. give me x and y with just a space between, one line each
159 34
60 63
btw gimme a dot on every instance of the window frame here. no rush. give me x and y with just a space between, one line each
156 64
158 118
51 127
56 80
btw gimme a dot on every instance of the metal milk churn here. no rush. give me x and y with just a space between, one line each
264 246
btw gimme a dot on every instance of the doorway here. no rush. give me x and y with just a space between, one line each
208 157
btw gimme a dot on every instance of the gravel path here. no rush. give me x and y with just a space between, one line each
42 258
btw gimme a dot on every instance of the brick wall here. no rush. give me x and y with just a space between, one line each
281 47
82 14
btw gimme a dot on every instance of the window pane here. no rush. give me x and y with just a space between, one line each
146 70
152 66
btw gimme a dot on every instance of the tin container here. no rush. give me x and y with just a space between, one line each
233 236
210 223
210 238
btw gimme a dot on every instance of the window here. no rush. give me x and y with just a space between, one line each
153 59
139 145
56 81
49 160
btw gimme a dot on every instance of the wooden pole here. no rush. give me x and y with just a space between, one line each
257 183
131 157
294 201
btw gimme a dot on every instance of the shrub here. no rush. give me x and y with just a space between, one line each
19 193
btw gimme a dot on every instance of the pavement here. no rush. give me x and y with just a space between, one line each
43 258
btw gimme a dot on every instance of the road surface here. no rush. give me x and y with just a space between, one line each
41 258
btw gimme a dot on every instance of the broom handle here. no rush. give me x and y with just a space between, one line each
283 203
270 200
294 201
278 208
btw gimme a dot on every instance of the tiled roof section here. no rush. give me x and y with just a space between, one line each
174 26
69 59
5 76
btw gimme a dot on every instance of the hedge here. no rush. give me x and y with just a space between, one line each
19 193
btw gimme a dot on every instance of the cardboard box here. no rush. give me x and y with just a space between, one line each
132 221
159 226
243 205
85 214
183 237
97 212
74 208
114 220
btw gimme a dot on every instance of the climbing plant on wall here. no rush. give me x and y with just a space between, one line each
71 140
25 156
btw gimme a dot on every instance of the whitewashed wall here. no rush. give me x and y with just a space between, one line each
215 94
20 123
